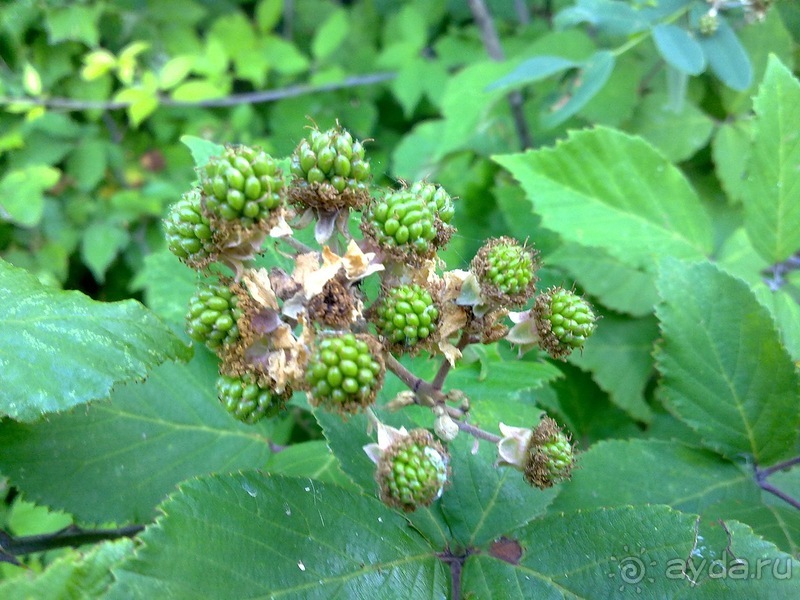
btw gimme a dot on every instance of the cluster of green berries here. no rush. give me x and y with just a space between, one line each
403 218
331 157
550 455
246 400
565 321
187 229
343 374
406 314
213 315
243 184
436 198
506 270
412 472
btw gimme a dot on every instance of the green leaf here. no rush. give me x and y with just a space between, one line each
619 357
268 13
726 56
197 90
141 103
60 349
21 199
284 56
87 163
484 501
731 152
74 23
778 524
254 535
606 16
167 284
643 551
724 370
202 150
689 479
656 122
101 243
310 459
147 439
78 574
606 189
531 70
615 284
772 186
591 78
679 48
330 34
174 71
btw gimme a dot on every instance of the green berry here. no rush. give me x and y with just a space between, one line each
403 219
243 184
344 374
506 271
188 231
213 315
437 199
406 315
246 400
708 24
331 157
565 321
412 471
550 456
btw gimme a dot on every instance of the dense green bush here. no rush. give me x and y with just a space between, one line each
648 152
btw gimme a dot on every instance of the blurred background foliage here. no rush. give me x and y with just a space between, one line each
96 95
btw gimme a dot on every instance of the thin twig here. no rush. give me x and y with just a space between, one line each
768 487
478 432
68 104
764 473
492 44
69 536
417 385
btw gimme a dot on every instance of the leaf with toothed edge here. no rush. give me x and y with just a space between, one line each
59 348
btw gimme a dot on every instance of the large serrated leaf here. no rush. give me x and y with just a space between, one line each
607 189
636 551
60 349
252 535
74 575
118 460
771 189
619 357
615 473
724 370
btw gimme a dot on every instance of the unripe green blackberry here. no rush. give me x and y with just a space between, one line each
436 198
246 400
412 471
406 314
402 219
344 374
564 321
213 315
330 170
243 185
506 271
550 456
188 231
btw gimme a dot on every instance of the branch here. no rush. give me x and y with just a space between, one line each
441 374
68 104
479 433
761 479
764 473
492 44
415 384
69 536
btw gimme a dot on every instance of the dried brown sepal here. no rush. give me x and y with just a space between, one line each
324 197
538 470
487 328
334 306
235 245
490 292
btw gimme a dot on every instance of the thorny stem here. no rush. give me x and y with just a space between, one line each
417 385
492 44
